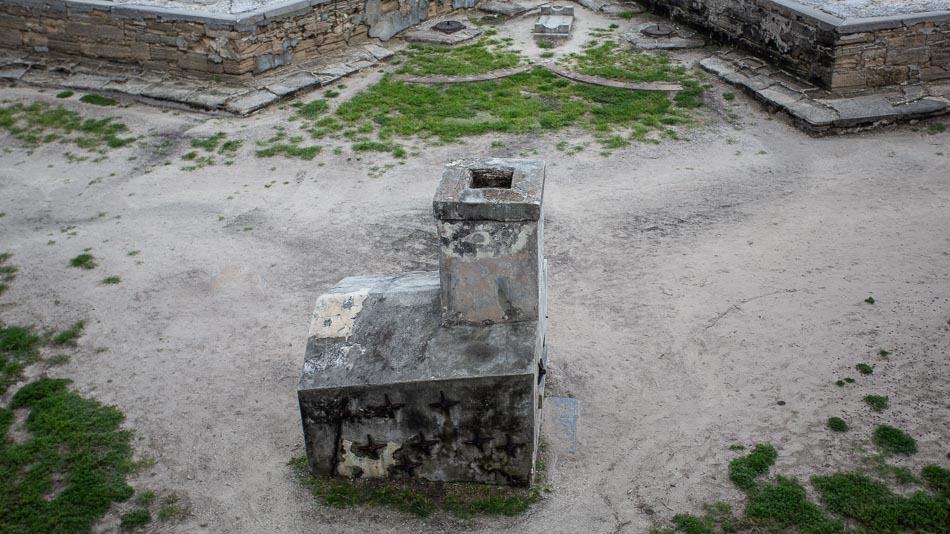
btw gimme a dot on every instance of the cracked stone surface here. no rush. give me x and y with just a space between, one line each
819 111
681 38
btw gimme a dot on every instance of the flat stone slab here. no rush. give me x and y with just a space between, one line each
508 9
250 102
813 109
681 38
560 420
233 96
87 81
379 52
292 84
554 24
428 35
13 73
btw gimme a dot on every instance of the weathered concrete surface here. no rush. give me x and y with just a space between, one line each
694 283
441 371
491 240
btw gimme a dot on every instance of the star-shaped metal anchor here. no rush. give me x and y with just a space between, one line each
443 403
372 448
510 447
389 408
479 441
423 444
541 371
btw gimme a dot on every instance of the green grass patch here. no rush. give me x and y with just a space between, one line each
72 467
937 479
40 123
282 145
98 100
744 470
18 348
870 300
64 94
837 424
529 102
877 509
878 403
480 57
69 336
208 144
729 96
864 368
418 497
135 519
311 110
782 504
111 280
936 128
892 440
83 261
7 272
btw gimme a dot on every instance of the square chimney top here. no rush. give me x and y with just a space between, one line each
490 189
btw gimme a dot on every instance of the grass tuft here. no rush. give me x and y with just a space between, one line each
937 479
69 336
97 100
111 280
135 519
83 261
7 272
837 424
864 369
18 348
40 123
877 509
744 470
64 94
878 403
892 440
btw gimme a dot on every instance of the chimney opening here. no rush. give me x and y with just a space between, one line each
492 178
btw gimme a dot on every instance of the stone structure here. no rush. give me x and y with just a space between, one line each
836 53
242 44
555 23
439 375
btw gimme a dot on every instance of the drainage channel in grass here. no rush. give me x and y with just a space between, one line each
391 114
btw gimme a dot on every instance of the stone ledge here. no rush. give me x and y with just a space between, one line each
819 112
200 94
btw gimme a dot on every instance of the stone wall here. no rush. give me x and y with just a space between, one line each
174 40
827 50
889 52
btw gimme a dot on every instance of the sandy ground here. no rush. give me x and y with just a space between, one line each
693 285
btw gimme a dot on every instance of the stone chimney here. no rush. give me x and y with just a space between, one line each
490 227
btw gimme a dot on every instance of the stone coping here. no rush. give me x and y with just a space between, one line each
239 21
818 111
857 25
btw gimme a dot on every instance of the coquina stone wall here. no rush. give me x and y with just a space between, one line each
832 52
170 40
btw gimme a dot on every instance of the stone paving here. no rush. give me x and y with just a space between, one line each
232 96
820 111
